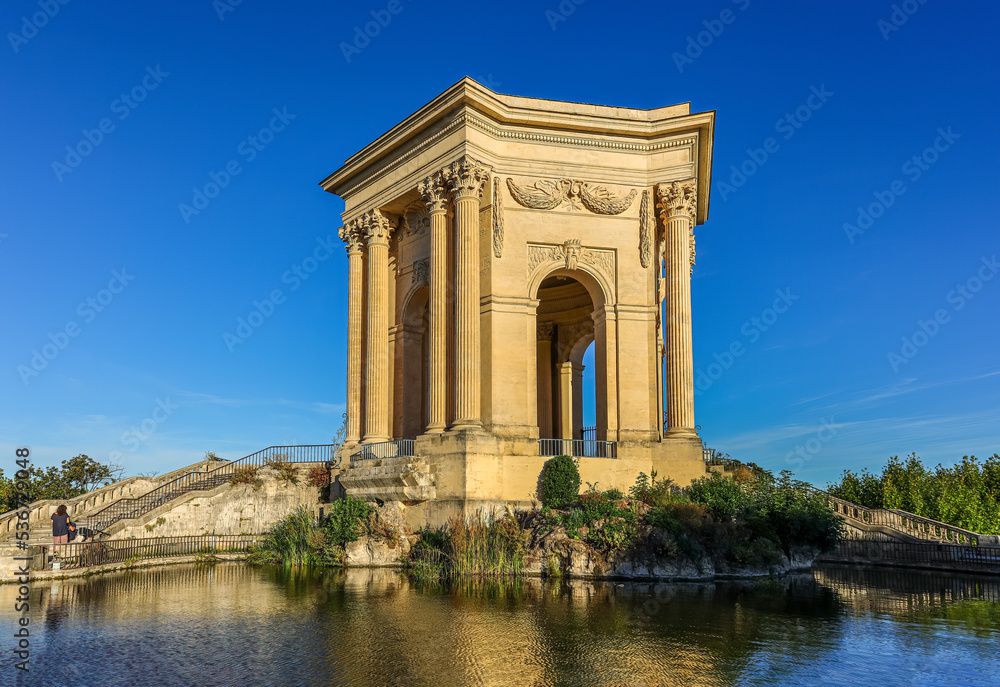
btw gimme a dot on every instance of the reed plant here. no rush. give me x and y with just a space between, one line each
485 544
291 541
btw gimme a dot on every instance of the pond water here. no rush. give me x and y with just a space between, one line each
233 624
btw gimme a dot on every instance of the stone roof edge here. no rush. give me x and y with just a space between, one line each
533 112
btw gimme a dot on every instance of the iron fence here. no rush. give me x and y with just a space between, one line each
588 433
83 555
578 448
385 449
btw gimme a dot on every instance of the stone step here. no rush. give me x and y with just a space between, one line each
402 478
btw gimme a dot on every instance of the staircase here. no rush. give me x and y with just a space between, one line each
99 522
388 471
897 525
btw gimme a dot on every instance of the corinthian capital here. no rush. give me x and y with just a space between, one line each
352 236
677 199
434 192
376 227
466 177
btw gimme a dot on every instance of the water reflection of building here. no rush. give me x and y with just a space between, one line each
236 624
377 627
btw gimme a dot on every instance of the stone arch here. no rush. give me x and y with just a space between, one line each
597 284
580 317
414 300
411 368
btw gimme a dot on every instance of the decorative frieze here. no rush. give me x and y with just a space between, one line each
548 195
571 253
466 118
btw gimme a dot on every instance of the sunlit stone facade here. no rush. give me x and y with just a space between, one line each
492 239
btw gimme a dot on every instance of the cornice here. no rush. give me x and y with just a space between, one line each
469 118
503 117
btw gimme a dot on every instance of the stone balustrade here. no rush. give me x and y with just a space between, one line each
909 524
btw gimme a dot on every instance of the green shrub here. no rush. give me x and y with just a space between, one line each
347 520
615 533
573 520
724 497
291 540
652 492
794 516
560 482
689 525
597 506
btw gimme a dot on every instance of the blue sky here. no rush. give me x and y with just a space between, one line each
116 113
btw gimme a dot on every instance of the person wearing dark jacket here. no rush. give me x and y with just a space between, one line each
60 528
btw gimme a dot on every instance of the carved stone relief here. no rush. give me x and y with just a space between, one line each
646 225
571 253
548 195
420 271
497 219
415 220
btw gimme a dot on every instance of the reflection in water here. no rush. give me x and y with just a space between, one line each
232 624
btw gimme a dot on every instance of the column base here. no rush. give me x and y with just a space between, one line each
681 432
373 440
434 429
467 427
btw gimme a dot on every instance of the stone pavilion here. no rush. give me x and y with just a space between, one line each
491 240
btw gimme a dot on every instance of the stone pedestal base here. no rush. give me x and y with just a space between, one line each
456 473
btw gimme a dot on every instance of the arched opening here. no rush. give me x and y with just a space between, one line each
589 393
412 355
566 331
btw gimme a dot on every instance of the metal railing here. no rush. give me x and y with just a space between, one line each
201 481
588 433
384 449
578 448
84 555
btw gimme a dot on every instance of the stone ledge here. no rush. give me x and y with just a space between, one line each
402 478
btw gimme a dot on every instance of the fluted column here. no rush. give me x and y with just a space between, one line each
434 191
677 202
466 178
353 238
377 229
